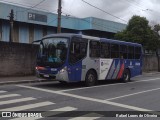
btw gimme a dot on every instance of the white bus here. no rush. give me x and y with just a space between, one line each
74 58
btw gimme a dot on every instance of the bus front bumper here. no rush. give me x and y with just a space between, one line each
60 76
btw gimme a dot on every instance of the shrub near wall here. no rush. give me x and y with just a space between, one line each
17 59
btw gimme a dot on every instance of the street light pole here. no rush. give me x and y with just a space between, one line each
59 16
11 18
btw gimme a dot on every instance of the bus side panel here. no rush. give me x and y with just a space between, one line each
116 69
104 68
134 66
88 64
129 65
75 72
137 69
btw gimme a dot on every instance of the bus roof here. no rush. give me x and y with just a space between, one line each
71 35
62 35
119 42
91 37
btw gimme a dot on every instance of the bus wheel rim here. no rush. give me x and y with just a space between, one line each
126 76
90 78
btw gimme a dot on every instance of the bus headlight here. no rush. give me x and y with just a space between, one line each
63 70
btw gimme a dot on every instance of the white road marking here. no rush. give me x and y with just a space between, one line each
50 113
29 106
2 91
133 94
88 117
23 81
16 100
59 111
9 95
68 108
108 85
91 99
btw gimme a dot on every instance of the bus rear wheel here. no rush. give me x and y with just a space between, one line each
91 78
126 76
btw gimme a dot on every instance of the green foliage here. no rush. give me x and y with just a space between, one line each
139 31
156 28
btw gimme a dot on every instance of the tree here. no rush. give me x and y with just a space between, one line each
139 31
156 28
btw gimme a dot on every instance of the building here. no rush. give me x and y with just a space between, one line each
30 25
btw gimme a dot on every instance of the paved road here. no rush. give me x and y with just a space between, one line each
97 102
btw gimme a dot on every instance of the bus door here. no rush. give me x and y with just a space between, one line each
78 51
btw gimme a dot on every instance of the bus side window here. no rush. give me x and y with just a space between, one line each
130 52
138 52
78 50
105 50
114 51
123 51
94 49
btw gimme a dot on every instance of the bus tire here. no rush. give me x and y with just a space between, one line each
91 78
126 76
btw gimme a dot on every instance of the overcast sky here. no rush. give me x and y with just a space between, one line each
123 9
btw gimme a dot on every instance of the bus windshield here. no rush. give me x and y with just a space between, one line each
53 52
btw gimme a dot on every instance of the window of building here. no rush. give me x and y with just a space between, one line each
94 49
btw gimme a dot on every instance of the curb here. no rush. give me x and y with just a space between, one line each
25 81
150 73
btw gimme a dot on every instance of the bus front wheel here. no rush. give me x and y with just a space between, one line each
126 76
91 78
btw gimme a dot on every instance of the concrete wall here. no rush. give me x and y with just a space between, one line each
150 63
17 59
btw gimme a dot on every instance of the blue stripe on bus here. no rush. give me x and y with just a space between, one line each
111 70
117 69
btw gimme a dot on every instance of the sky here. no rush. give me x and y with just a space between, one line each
122 10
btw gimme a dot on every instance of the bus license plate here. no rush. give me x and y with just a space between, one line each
46 76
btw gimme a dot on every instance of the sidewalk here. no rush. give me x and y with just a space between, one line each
16 80
150 73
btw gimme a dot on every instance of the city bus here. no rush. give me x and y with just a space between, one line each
74 58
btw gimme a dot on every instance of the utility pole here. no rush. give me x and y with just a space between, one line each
11 18
59 16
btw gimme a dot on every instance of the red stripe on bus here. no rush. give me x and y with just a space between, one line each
121 72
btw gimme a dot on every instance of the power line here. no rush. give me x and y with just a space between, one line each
136 5
4 1
141 7
26 6
34 6
104 11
